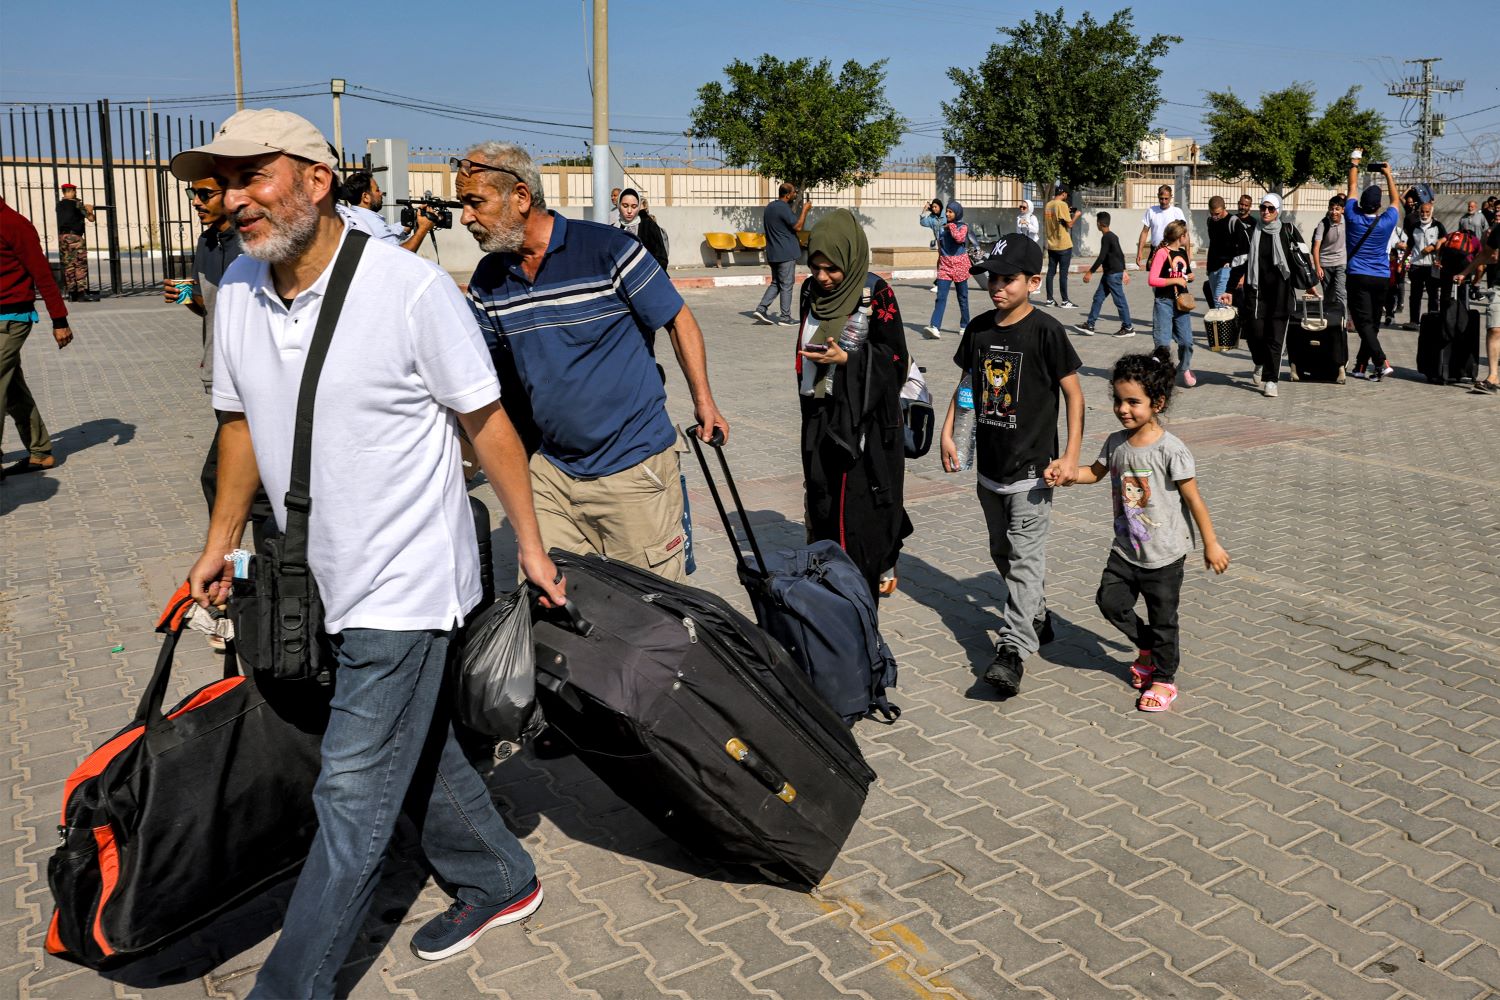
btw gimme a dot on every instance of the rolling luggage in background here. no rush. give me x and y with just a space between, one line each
697 718
1448 342
1317 348
817 604
185 812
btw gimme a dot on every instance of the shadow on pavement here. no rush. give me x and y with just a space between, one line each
35 487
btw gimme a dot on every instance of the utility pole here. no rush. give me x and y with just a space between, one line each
336 87
1429 126
239 73
601 111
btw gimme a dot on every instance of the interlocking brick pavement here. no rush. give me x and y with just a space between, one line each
1318 816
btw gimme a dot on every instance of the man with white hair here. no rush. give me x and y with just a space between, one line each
571 310
390 539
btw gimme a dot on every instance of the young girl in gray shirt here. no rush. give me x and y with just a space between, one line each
1153 477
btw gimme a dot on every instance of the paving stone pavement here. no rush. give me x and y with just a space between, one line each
1318 816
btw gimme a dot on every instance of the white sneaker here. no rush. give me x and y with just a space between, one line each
1268 390
933 332
1255 375
1388 370
933 289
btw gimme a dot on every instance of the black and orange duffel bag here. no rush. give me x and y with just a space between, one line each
184 813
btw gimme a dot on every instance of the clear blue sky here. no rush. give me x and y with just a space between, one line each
528 59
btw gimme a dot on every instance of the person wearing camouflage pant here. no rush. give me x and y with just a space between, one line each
72 213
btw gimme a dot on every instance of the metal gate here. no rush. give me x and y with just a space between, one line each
144 228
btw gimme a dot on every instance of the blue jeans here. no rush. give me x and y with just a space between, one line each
1167 325
1218 281
1058 260
1111 285
783 280
387 742
938 307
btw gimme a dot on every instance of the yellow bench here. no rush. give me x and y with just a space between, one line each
754 242
720 244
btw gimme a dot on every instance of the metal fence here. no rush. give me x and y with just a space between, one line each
144 228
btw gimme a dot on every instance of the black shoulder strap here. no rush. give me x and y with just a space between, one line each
1349 257
298 494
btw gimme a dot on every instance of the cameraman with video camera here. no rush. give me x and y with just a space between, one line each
363 201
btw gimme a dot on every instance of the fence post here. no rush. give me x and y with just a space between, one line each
667 181
111 218
946 168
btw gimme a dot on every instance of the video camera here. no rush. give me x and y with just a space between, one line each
436 209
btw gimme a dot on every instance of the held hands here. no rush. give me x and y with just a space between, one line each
835 354
1061 472
1215 558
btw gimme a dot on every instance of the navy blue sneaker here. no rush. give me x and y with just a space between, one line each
457 928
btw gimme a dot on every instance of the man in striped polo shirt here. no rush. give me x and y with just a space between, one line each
571 309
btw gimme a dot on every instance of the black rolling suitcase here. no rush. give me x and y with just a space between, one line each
1317 347
1448 342
697 718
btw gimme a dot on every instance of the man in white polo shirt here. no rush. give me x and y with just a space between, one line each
390 539
1154 224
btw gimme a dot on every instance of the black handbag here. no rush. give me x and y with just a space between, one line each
184 814
276 610
1299 262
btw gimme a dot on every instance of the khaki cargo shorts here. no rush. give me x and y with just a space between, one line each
634 516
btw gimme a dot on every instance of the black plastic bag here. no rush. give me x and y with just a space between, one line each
495 689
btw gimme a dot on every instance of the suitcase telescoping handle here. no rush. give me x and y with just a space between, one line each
568 616
717 443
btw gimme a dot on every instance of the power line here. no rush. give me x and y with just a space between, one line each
1421 89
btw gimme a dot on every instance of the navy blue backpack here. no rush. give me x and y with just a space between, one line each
816 603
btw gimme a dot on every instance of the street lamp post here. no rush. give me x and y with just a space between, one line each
239 73
336 87
601 111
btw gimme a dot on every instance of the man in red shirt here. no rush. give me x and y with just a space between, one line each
23 272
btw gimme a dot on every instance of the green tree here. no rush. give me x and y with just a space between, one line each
798 122
1282 144
1058 101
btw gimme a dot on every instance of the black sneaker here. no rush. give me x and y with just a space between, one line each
457 928
1004 673
761 317
1087 329
1043 627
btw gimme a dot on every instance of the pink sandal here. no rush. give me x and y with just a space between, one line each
1141 670
1157 698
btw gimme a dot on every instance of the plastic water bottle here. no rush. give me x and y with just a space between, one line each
857 329
965 425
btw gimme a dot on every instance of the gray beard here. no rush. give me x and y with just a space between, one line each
288 238
500 240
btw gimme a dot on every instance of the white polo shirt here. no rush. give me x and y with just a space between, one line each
1157 218
390 537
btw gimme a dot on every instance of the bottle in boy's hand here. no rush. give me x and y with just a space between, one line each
965 425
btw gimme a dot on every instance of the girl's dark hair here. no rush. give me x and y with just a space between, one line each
632 192
1155 372
936 202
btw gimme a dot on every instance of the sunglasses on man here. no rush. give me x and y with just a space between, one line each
467 167
204 195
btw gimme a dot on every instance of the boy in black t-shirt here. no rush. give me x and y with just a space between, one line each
1017 360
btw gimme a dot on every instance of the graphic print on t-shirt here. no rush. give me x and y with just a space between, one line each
1132 490
1001 391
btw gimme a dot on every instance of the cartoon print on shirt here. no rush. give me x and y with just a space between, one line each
1132 497
1001 388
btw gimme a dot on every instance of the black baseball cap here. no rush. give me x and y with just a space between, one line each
1015 253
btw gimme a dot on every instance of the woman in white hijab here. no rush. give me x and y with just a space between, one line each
1027 223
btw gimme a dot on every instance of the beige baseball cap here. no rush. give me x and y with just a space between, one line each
255 132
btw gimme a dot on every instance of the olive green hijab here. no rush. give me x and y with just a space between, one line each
840 238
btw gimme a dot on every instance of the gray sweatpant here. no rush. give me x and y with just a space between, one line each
1018 524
